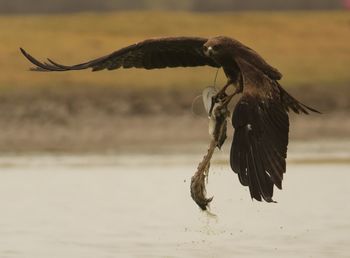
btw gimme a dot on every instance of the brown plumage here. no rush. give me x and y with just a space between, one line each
260 118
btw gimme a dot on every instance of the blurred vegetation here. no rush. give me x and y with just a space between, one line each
107 110
309 48
220 5
59 6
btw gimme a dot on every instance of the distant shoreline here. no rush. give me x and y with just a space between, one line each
95 120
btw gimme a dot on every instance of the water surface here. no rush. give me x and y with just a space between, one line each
139 205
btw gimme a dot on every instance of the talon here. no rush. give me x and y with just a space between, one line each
221 96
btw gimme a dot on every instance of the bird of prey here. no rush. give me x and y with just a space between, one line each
260 118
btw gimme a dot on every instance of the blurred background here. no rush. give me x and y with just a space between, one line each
60 6
100 164
308 41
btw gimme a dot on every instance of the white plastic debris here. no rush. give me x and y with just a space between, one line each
208 94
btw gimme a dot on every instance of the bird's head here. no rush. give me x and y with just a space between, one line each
217 46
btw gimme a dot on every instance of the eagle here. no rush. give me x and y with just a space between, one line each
260 117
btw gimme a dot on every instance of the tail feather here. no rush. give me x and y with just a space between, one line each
290 102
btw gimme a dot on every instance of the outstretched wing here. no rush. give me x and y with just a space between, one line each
261 122
148 54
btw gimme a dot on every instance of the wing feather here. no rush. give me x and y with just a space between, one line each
261 132
255 153
148 54
259 147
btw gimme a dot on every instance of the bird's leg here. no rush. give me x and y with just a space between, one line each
223 89
238 89
221 95
227 100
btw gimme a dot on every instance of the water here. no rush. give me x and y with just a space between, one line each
135 205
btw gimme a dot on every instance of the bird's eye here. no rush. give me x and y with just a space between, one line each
205 48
